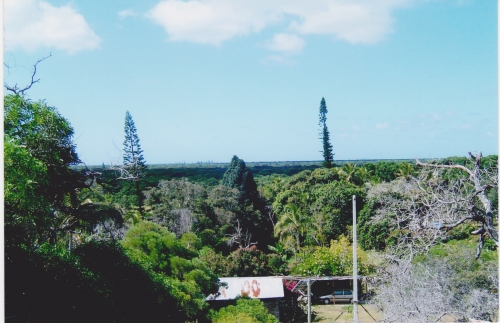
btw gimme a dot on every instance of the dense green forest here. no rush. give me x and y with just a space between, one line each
137 242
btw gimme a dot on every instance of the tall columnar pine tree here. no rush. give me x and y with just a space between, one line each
251 215
238 176
325 136
133 160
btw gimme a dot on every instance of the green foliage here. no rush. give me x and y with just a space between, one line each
158 250
372 236
461 232
215 262
250 215
278 260
96 283
26 209
176 194
191 242
325 136
333 261
162 269
40 187
406 170
314 207
243 262
239 177
249 262
336 199
211 174
291 226
182 206
176 203
245 311
347 172
385 171
152 245
42 130
453 248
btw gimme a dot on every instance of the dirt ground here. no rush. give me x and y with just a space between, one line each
339 313
342 313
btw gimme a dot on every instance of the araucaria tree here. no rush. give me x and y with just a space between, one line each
251 226
133 160
240 177
325 136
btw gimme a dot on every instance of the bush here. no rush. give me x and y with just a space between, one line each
246 311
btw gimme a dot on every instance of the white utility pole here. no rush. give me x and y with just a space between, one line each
308 301
354 262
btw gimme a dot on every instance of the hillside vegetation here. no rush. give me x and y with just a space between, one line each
129 244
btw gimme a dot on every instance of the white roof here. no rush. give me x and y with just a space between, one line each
253 287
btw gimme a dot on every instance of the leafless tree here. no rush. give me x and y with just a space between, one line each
108 230
21 91
240 238
423 209
271 215
420 211
124 172
183 221
463 199
438 289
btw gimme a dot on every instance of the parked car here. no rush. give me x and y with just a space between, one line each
341 295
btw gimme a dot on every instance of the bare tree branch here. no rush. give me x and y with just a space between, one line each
431 289
465 169
480 181
125 174
16 90
242 239
421 210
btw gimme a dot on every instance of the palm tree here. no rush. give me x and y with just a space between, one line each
348 171
405 171
363 174
291 226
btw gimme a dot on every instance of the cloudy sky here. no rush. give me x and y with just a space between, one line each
208 79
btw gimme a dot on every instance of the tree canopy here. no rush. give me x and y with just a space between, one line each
40 185
251 223
78 249
238 176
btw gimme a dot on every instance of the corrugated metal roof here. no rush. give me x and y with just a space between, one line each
267 287
253 287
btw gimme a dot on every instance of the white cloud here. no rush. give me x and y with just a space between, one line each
381 126
31 24
127 13
286 43
212 21
354 21
215 21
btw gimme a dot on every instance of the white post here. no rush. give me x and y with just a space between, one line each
354 262
308 301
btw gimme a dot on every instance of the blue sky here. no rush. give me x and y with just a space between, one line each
208 79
